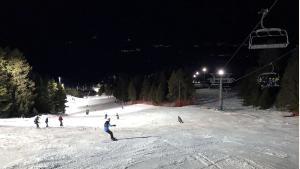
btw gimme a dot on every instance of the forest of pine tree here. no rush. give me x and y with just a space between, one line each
284 97
23 93
157 88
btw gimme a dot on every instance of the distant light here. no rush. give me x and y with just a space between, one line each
194 76
96 89
197 73
204 69
221 72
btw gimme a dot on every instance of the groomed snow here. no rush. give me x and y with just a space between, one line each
150 137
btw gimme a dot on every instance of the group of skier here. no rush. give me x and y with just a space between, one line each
117 115
37 121
106 124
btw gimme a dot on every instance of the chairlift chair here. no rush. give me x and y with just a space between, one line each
268 38
268 79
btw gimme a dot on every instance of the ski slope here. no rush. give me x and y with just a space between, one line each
150 137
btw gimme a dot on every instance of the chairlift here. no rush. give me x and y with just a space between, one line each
268 38
268 79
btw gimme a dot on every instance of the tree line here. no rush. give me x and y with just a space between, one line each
157 88
23 93
284 97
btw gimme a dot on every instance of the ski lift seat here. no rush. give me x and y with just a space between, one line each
268 38
270 31
269 79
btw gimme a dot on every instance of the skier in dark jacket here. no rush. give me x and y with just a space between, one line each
36 121
106 129
180 119
46 121
60 120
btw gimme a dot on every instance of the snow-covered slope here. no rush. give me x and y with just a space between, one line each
150 137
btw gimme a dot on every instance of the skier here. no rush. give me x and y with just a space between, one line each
60 120
36 121
179 119
105 116
117 116
106 129
46 121
87 111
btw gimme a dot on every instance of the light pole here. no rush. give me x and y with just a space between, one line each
59 80
221 73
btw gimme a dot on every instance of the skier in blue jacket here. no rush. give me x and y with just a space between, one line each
106 129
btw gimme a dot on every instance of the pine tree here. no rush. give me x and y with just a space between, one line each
101 90
145 89
108 89
42 100
160 94
52 88
137 81
152 92
120 89
124 87
250 90
73 92
288 96
173 85
188 87
267 98
60 99
132 91
180 81
162 89
5 103
57 95
18 85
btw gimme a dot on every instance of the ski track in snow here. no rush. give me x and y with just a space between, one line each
150 137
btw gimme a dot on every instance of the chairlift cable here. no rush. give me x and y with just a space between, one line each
241 45
260 68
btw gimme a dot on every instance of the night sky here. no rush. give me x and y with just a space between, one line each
83 41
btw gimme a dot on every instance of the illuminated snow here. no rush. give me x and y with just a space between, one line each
151 137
